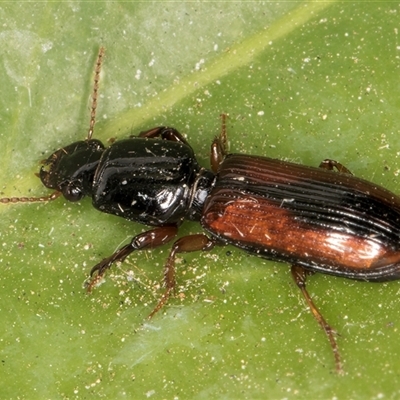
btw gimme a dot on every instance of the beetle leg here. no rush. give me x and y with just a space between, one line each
164 133
299 275
216 155
332 164
219 147
186 244
150 239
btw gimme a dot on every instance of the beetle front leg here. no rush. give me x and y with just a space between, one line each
299 275
164 133
186 244
150 239
332 164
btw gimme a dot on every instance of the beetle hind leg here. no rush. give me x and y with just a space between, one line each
299 275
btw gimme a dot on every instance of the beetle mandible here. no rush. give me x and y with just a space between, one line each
316 219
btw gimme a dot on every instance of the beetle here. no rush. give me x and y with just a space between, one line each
316 219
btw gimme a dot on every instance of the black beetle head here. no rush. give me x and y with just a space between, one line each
70 169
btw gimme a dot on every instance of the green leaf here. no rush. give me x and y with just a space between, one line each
300 81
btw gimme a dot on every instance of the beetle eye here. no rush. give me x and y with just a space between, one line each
72 192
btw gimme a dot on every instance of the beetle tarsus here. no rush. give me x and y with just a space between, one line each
164 300
299 275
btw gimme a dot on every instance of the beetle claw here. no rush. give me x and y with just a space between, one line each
90 283
99 269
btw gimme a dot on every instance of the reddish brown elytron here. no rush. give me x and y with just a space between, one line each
259 224
258 218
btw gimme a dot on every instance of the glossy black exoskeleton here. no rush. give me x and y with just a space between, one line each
125 178
313 218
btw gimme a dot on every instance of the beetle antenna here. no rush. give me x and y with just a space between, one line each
50 197
95 90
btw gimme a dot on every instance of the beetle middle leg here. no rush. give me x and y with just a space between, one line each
299 275
219 147
186 244
150 239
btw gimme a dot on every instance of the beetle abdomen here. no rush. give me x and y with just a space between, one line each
321 220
